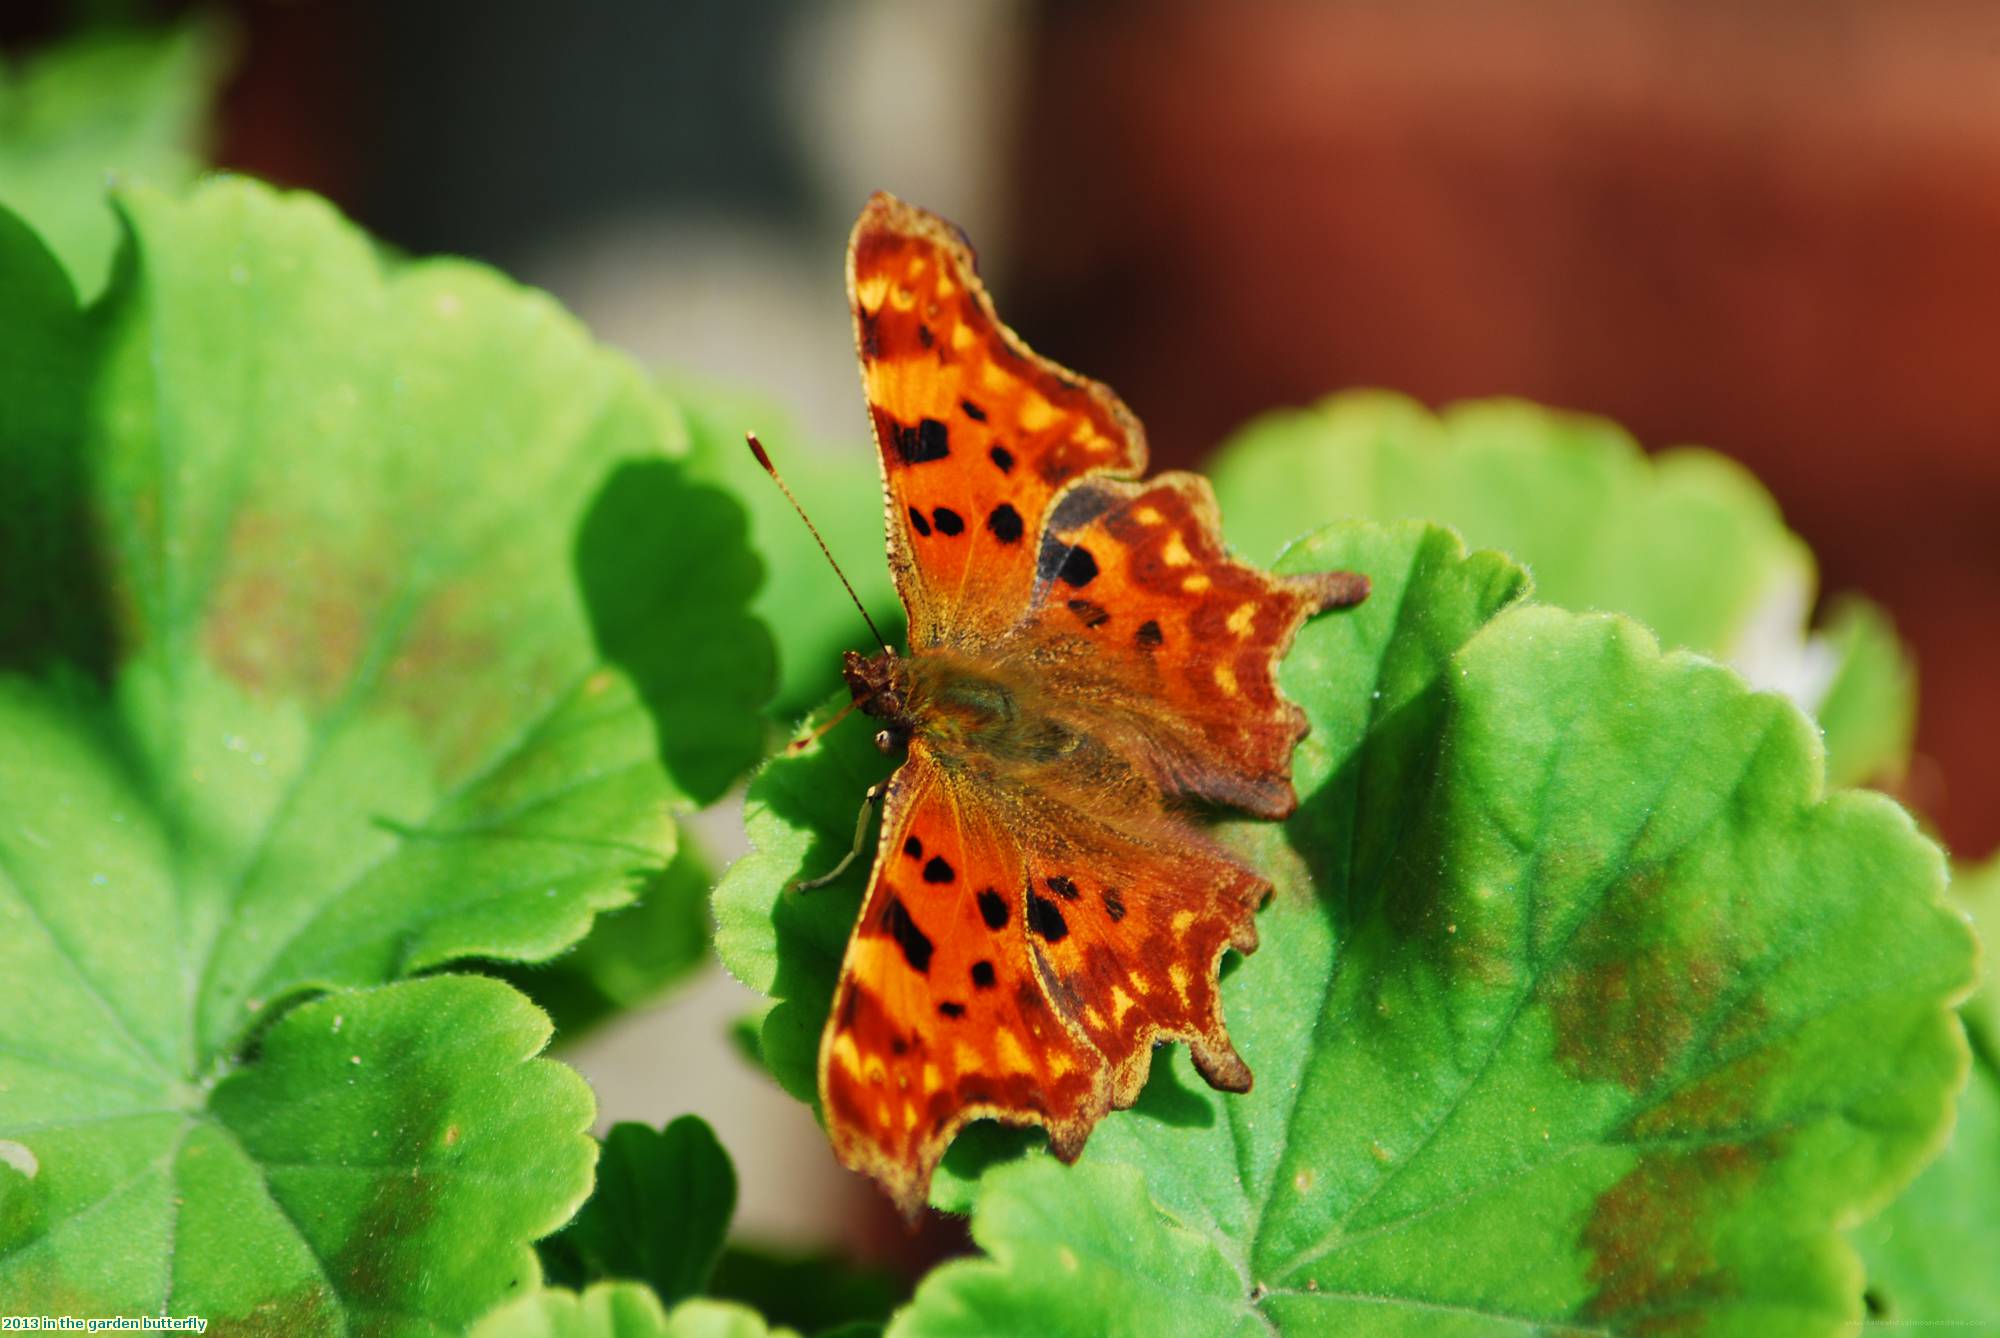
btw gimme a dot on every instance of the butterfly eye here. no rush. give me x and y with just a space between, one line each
885 741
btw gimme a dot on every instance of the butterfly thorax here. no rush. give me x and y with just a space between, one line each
956 706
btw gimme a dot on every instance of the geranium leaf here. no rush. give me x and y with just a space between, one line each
379 1168
1933 1255
126 103
630 956
1869 711
620 1310
411 636
1064 1251
658 1216
1579 1002
1685 540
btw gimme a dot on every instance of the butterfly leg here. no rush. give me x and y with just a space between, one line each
860 837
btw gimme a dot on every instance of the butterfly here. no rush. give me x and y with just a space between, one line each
1087 669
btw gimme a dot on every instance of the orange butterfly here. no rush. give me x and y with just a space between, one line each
1086 663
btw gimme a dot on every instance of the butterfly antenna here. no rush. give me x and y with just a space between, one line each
757 449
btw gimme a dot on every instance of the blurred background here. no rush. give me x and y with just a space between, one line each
1767 226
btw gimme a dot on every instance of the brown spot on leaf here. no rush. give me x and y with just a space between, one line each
1651 1237
1635 985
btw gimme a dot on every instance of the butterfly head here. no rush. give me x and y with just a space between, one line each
881 688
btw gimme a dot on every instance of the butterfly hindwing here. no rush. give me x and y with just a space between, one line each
1173 645
977 434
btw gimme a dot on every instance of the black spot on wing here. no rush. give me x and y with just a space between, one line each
938 871
973 411
928 440
1005 522
993 909
1045 918
919 524
913 848
916 945
950 1009
948 521
1062 887
1088 613
924 335
982 975
1114 905
1078 567
871 337
1002 458
1148 634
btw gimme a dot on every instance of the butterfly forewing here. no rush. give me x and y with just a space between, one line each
977 434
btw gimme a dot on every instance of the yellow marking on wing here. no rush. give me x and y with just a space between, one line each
1093 1017
964 1058
1146 515
1060 1064
1245 616
994 376
1178 974
917 266
962 337
1175 552
1121 1004
870 292
1195 584
882 1113
1013 1058
1181 921
932 1079
945 287
845 1055
903 297
1225 678
1139 985
1035 412
873 1071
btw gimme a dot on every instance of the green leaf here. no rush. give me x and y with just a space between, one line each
1685 541
1934 1254
813 1293
379 1168
409 635
607 1310
661 1209
842 490
800 815
630 956
620 1310
1065 1252
1976 891
1580 1002
134 104
1869 711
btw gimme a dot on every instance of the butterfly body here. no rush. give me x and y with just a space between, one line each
1088 671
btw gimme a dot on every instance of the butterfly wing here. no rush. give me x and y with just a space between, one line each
977 434
938 1018
1024 942
1148 635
